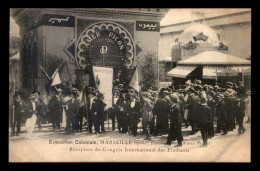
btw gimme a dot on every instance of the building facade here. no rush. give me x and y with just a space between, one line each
233 30
82 37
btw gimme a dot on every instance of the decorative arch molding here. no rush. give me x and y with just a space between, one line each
125 41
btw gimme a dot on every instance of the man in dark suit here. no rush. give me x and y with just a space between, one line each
91 97
204 115
240 113
221 114
192 105
212 105
161 110
175 122
18 107
115 110
55 109
133 110
230 106
97 107
72 114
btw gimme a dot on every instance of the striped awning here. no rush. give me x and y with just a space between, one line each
211 72
181 71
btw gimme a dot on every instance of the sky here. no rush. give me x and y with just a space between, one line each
173 16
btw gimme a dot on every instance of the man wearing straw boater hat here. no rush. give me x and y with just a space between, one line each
32 111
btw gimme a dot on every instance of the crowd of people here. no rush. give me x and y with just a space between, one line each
161 112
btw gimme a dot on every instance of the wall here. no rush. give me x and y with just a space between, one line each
53 40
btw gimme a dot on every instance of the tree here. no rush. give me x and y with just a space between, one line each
150 71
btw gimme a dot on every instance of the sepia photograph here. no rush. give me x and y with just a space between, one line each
130 85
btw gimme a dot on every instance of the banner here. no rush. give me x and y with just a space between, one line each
103 77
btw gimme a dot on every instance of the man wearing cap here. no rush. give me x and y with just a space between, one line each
55 109
175 122
161 110
32 109
221 114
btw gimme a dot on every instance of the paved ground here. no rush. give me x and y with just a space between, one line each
111 146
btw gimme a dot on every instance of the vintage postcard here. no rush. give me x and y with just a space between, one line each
130 85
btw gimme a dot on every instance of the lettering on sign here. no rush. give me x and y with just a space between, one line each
147 26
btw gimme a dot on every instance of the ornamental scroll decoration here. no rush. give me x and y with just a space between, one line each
115 32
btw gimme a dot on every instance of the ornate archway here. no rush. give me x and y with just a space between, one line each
105 43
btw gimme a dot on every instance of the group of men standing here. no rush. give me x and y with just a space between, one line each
163 112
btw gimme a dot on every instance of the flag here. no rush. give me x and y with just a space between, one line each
134 82
61 75
56 78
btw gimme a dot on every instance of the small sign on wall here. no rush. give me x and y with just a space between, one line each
147 26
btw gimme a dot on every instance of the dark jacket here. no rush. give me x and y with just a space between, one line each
175 115
98 106
212 105
192 105
29 109
73 108
240 108
161 109
221 109
230 102
204 115
134 113
55 107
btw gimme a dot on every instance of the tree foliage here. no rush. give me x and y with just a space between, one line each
150 71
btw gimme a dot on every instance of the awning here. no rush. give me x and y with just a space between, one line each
211 72
241 68
181 71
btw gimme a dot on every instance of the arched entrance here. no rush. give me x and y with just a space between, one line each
107 44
